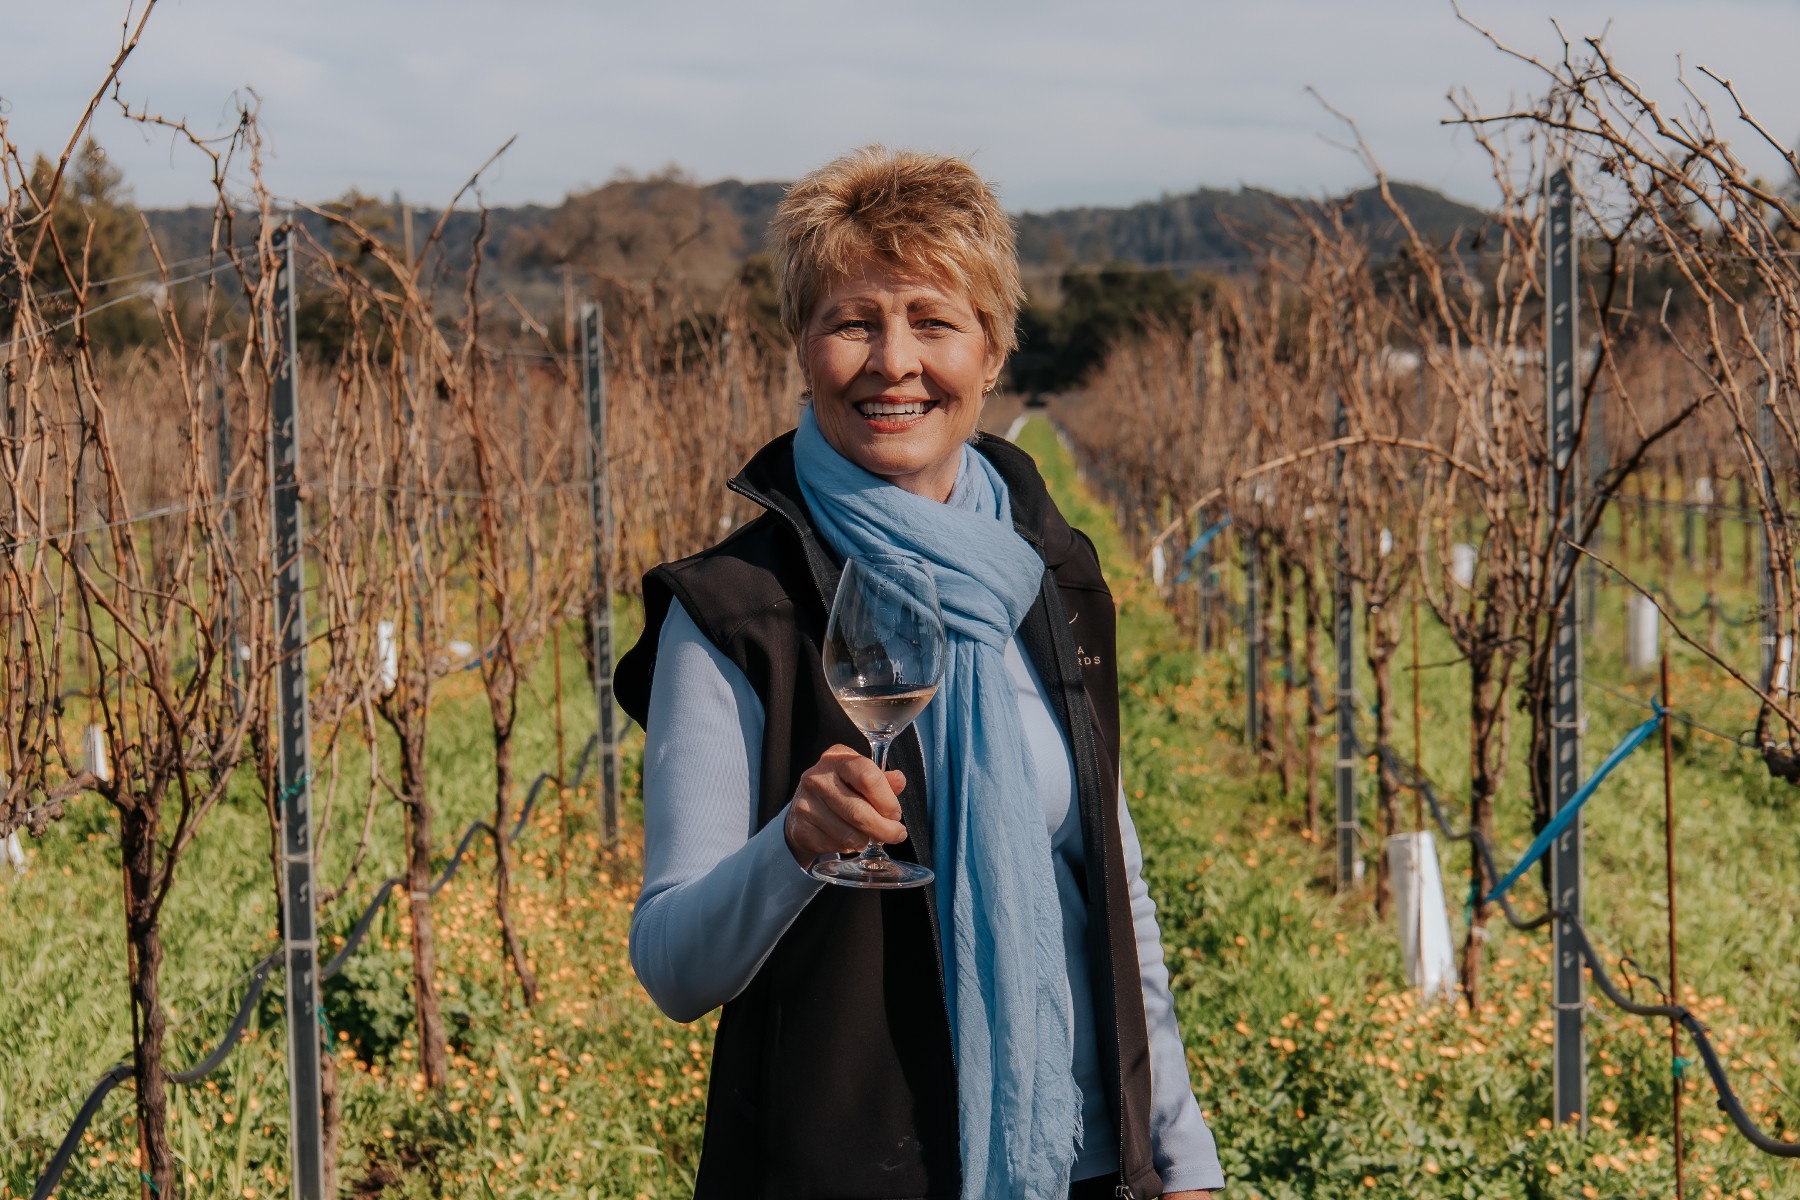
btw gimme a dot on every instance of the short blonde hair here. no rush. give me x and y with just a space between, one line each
928 215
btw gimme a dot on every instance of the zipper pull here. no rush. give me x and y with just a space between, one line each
1123 1192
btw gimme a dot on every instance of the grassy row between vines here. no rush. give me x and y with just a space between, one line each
1321 1072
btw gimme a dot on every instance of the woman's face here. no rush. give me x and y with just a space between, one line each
898 369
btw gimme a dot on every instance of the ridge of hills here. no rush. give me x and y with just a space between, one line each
1202 230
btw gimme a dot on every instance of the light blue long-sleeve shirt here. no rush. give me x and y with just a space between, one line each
719 893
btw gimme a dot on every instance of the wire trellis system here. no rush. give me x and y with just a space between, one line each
259 977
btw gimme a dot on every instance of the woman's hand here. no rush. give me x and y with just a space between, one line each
842 804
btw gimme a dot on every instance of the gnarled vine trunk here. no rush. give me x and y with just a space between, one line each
138 821
433 1052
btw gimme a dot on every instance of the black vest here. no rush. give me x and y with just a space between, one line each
832 1073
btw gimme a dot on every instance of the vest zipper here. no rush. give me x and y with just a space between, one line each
1087 769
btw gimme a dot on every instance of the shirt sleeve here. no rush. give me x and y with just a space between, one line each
1181 1144
718 893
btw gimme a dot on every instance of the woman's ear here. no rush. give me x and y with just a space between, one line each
994 368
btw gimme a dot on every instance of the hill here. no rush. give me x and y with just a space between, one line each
1206 229
1200 230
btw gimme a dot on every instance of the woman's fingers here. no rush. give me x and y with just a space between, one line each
843 802
849 787
863 785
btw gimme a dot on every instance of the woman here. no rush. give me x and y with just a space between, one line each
1009 1030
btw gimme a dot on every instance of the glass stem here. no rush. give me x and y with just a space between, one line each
878 750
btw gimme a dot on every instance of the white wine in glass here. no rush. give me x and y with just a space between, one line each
884 659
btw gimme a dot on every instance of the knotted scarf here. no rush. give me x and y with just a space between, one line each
1011 1015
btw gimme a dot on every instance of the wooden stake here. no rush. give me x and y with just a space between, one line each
562 771
1418 727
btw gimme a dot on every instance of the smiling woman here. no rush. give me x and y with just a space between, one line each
899 336
898 370
1008 1030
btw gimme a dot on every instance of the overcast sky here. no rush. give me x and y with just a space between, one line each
1061 103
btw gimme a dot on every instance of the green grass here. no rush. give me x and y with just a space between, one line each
1321 1074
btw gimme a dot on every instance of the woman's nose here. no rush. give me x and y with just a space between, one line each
896 352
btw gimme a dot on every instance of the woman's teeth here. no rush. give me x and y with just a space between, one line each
888 408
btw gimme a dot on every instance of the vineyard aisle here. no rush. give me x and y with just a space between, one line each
1320 1073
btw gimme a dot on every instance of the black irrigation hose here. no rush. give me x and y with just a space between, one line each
1750 617
581 769
116 1075
1668 602
360 930
1728 1098
239 1022
1415 782
1710 604
451 867
120 1072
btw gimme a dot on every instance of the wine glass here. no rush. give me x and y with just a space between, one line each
884 659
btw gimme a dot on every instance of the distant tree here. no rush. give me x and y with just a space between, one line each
1031 369
358 225
96 226
93 238
1058 346
641 232
692 338
372 215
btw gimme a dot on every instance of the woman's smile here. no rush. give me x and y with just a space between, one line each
889 414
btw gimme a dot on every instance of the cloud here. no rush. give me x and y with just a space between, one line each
1060 103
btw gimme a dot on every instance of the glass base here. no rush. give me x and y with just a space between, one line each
859 871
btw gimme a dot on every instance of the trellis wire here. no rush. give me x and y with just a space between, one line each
1715 1068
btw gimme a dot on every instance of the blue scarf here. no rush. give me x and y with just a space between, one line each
1011 1015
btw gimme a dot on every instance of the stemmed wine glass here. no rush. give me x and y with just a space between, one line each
884 659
